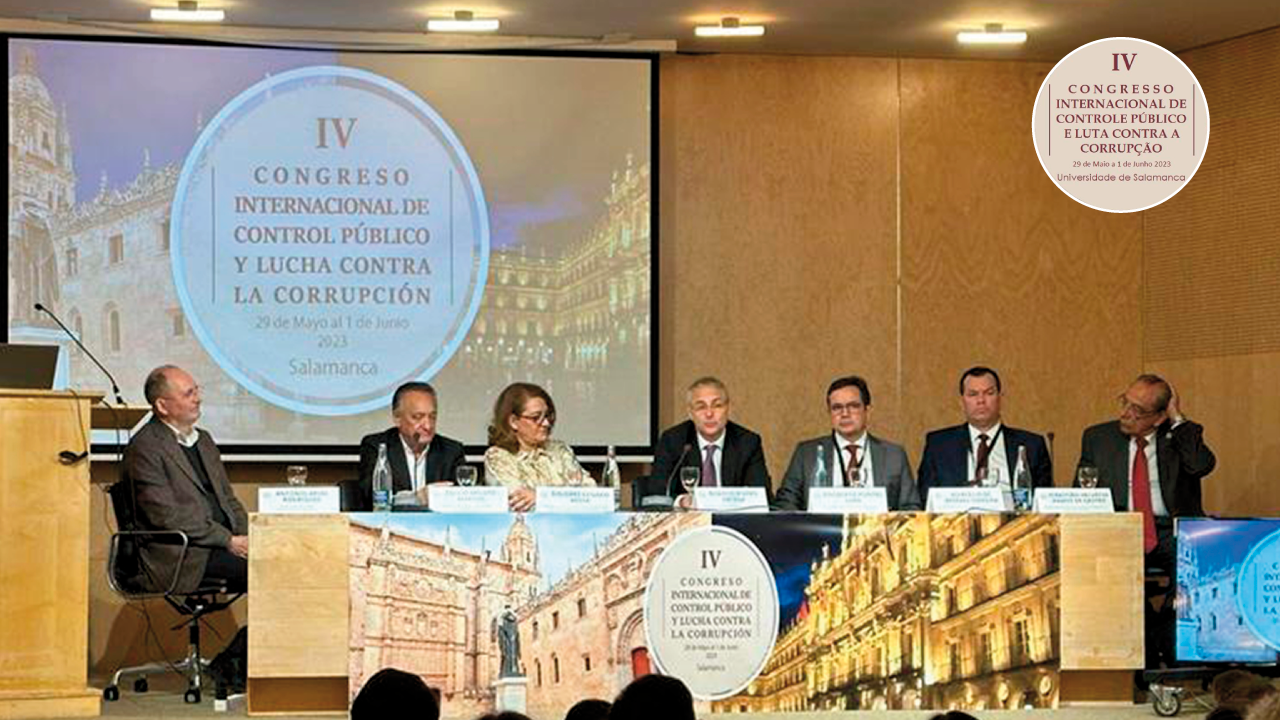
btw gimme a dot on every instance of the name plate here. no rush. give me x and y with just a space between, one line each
1067 501
849 500
299 500
731 499
966 500
454 499
574 499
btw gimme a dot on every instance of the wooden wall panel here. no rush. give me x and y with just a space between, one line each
777 247
1001 268
1212 299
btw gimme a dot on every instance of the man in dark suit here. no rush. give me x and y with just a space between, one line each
1175 459
727 454
416 454
983 446
179 483
1152 459
849 455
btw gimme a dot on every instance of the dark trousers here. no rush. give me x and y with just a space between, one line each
1160 620
225 566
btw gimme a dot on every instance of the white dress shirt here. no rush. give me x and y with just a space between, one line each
841 457
416 465
717 455
997 459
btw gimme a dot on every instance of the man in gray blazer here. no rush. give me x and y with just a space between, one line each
849 455
179 483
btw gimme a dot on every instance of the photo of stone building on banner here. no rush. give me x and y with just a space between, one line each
917 611
428 593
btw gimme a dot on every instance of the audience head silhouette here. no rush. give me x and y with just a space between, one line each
953 715
504 715
653 696
589 709
395 695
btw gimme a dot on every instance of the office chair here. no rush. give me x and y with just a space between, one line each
129 580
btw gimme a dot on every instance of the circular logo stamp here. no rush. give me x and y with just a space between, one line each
329 240
1120 125
1258 591
711 611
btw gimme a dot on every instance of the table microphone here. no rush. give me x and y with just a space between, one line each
115 389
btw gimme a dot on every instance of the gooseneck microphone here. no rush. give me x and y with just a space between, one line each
679 463
115 389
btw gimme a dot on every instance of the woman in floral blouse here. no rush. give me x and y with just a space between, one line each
522 456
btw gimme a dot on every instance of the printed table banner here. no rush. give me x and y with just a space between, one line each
755 613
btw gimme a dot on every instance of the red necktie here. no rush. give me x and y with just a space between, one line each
1142 495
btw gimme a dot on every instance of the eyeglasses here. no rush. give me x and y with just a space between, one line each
1137 411
539 418
846 408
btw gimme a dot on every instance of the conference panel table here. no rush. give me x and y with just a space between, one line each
903 610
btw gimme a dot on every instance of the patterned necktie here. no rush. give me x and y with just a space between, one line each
1142 494
709 467
851 470
980 459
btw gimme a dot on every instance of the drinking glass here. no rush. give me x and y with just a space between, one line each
1087 476
992 479
689 477
466 475
296 474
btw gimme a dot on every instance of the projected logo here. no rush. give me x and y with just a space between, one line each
329 240
1259 590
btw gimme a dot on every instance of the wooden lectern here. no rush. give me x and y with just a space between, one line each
44 552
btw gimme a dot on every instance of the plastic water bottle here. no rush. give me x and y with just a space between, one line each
613 475
1021 485
382 481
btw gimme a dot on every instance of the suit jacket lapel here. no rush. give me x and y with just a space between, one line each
878 468
1010 451
176 453
956 463
1119 462
1168 465
731 459
398 461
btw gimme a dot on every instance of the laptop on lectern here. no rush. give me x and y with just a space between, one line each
28 367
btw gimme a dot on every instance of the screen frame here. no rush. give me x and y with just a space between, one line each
339 453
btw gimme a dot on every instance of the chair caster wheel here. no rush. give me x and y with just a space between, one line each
111 693
140 685
191 697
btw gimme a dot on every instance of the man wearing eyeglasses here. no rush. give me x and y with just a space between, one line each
983 447
177 482
1152 460
726 454
848 456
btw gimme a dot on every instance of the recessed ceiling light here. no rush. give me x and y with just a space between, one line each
992 34
729 27
187 11
462 21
